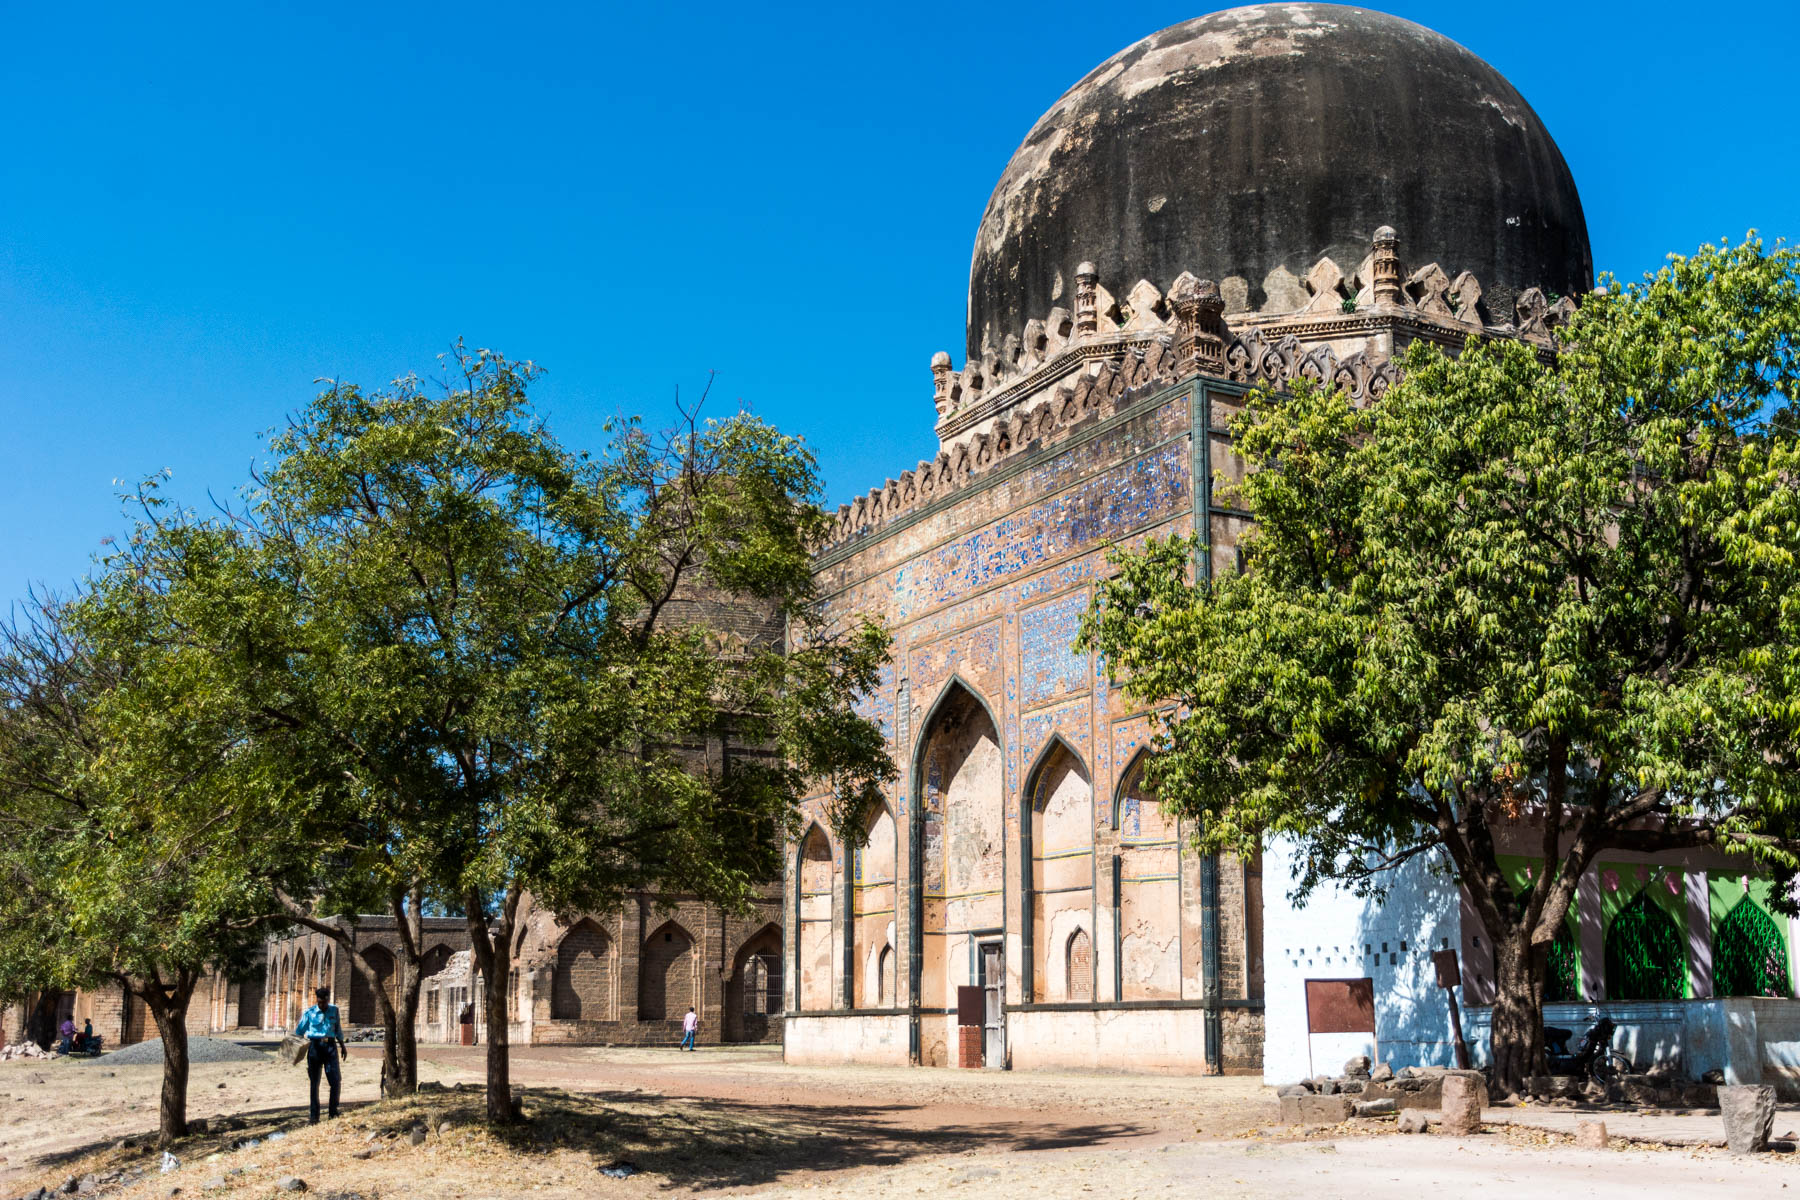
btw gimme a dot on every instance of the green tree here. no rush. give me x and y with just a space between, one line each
122 788
1556 594
510 645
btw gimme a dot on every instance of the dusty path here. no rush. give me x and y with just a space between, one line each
960 1108
740 1122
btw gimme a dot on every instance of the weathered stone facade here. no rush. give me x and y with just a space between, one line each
301 960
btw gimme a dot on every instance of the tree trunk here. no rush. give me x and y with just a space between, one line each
499 1060
1516 1038
400 1062
168 1008
399 1048
492 950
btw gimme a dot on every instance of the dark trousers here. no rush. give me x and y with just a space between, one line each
322 1055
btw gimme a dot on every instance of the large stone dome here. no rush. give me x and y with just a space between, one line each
1269 137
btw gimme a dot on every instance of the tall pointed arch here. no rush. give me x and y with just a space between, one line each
813 904
1149 922
1056 871
668 973
874 896
582 988
958 856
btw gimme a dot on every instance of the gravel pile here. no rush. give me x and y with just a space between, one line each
200 1050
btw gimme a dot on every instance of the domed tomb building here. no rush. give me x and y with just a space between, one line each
1248 197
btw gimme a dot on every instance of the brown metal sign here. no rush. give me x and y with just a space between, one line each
1340 1006
971 1008
1449 973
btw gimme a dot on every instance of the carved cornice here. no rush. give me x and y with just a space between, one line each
1093 360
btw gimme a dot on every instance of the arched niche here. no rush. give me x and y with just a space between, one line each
1149 892
586 968
874 896
666 974
1057 869
814 875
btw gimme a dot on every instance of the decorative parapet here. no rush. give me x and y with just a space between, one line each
1070 366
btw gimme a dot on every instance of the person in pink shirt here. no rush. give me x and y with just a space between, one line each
689 1025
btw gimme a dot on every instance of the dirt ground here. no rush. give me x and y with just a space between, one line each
736 1121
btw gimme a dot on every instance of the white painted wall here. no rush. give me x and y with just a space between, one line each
1336 935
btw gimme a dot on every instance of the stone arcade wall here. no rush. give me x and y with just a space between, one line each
219 1005
300 960
626 979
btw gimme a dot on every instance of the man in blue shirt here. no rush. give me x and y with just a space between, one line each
324 1041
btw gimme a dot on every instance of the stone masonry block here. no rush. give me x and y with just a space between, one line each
1314 1110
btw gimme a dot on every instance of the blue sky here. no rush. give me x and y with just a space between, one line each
204 209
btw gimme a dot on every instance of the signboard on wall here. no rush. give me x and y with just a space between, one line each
971 1008
1340 1006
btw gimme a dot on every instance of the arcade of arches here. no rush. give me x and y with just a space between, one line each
624 978
1057 901
627 978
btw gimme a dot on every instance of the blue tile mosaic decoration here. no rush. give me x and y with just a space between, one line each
879 706
1105 507
1051 667
975 656
1070 719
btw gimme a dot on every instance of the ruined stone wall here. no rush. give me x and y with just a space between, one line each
298 960
627 978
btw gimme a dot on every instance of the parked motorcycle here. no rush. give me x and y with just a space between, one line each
1595 1059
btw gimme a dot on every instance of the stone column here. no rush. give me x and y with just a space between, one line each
1592 936
1699 932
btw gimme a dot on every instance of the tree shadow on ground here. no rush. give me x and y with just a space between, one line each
694 1144
717 1143
221 1133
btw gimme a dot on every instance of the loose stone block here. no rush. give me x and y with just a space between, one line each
1412 1120
1462 1104
1749 1114
1314 1110
1374 1108
1591 1135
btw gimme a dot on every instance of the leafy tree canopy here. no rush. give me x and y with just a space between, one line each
525 650
1558 590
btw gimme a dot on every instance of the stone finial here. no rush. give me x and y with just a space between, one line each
1531 309
1199 323
940 378
1087 317
1465 295
1386 266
